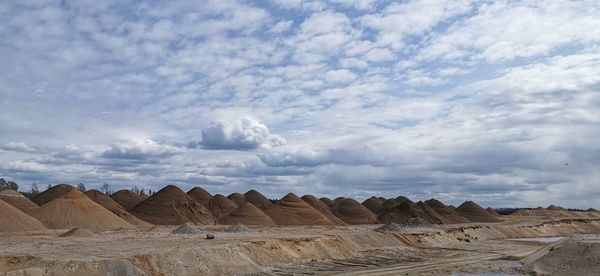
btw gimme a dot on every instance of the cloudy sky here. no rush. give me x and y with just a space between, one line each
489 100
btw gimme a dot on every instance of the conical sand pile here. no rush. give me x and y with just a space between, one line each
327 201
171 206
201 196
448 215
108 203
475 213
374 204
18 200
76 210
407 210
51 194
127 199
291 210
322 208
257 199
338 199
247 214
352 212
492 211
14 220
221 206
237 198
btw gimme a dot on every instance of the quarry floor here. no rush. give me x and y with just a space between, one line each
466 249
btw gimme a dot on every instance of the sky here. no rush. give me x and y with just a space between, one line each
492 101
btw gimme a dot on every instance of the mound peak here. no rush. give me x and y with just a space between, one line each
291 210
200 195
406 210
352 212
247 214
111 205
237 198
257 199
448 215
18 200
322 208
171 206
127 198
374 204
327 201
221 206
14 220
475 213
52 193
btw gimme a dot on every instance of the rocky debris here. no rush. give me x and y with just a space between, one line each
398 227
210 236
237 228
186 229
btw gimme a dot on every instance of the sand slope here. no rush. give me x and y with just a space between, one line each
127 198
108 203
352 212
221 206
171 206
54 192
448 215
327 201
76 210
14 220
475 213
565 257
408 210
200 195
247 214
18 200
237 198
374 204
291 210
322 208
257 199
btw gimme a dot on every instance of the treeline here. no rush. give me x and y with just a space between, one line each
508 211
35 190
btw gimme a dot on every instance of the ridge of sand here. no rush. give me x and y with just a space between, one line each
555 213
237 198
53 193
322 208
291 210
565 257
171 206
374 204
111 205
221 206
76 210
200 195
338 199
475 213
18 200
127 198
327 201
247 214
257 199
448 215
15 220
352 212
407 210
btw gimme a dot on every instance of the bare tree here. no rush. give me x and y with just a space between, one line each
81 187
9 184
105 188
34 189
49 186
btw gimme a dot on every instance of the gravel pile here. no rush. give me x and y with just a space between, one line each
409 223
237 228
185 229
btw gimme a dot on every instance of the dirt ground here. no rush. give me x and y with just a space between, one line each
462 249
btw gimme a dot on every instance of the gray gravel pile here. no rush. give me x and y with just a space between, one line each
237 228
409 223
185 229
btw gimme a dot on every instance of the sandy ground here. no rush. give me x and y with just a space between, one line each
466 249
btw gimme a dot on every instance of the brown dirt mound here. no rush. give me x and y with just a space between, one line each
200 195
475 213
402 199
53 193
221 206
291 210
565 257
171 206
373 204
492 211
327 201
322 208
338 199
14 220
111 205
247 214
76 210
352 212
448 215
258 200
407 210
127 199
77 232
18 200
237 198
555 208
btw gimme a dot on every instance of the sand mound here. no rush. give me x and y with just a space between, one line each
186 229
554 213
555 208
373 204
237 198
475 213
352 212
221 206
237 228
51 194
200 195
405 211
398 227
322 208
291 210
108 203
565 257
338 199
247 214
492 211
402 199
127 199
18 200
76 210
14 220
327 201
448 216
78 233
258 200
171 206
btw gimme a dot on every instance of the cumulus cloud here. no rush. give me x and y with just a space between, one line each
245 134
18 147
139 150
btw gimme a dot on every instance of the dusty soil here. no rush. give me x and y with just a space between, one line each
294 250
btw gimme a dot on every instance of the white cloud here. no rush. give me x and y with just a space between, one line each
139 149
244 134
19 147
341 76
